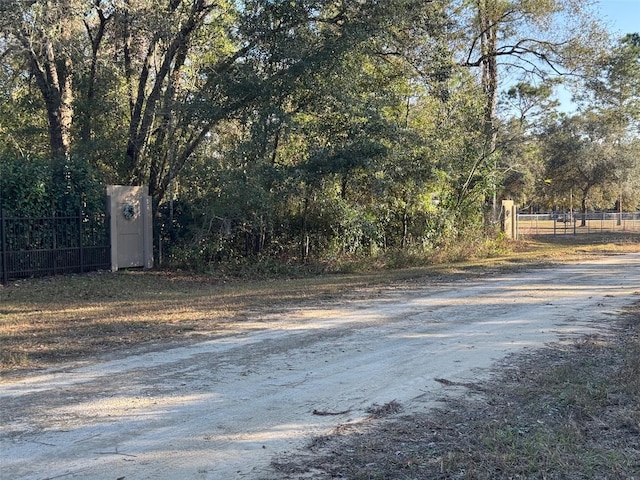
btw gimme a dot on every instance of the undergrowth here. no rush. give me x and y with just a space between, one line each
264 266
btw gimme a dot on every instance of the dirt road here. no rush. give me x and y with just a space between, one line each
224 407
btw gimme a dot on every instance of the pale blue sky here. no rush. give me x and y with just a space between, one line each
623 16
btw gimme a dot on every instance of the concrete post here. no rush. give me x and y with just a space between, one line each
131 227
509 219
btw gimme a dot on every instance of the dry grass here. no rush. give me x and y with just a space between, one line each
47 321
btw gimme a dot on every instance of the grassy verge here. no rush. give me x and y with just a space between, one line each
48 321
565 412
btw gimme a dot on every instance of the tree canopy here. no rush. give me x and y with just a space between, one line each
318 127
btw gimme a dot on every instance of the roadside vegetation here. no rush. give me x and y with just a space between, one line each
297 132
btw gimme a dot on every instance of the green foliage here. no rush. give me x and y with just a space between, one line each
616 86
294 131
588 156
24 186
22 127
29 187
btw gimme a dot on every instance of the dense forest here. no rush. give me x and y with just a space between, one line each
317 129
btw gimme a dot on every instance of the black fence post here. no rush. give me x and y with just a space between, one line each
3 244
54 241
80 242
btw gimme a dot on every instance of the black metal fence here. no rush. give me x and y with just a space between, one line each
31 247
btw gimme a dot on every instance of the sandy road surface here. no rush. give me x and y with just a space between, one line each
223 408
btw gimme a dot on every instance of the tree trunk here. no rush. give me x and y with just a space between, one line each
487 10
151 87
405 229
54 80
96 40
483 54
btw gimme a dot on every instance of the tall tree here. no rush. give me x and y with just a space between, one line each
184 65
527 38
588 154
43 34
616 87
527 110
